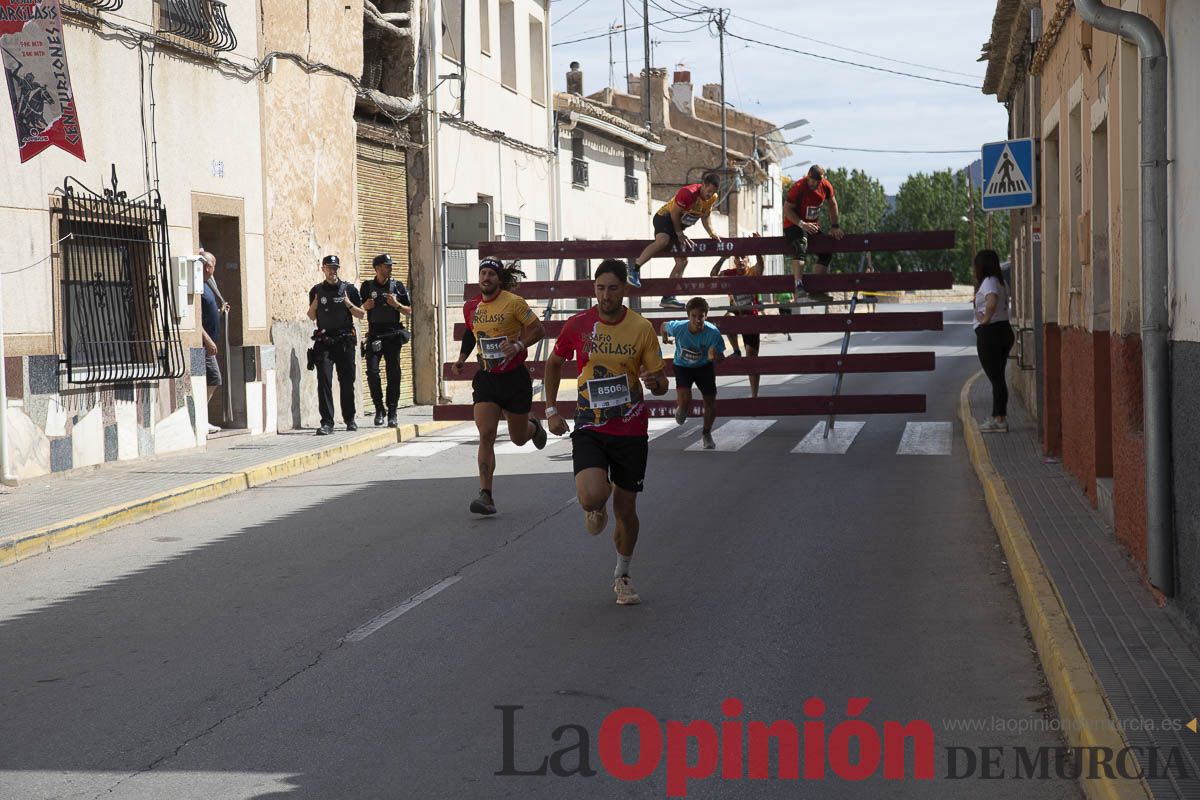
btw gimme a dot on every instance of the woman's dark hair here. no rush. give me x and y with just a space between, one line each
697 302
987 265
615 267
510 274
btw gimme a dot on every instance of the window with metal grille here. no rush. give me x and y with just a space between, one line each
101 5
583 272
579 164
202 21
512 229
541 233
119 322
631 181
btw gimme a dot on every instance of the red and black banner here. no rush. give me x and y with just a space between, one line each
35 66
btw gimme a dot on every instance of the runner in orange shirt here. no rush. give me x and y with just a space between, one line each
504 327
614 348
690 204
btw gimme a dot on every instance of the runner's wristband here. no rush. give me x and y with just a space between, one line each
551 411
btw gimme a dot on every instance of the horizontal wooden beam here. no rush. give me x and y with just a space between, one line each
794 323
763 365
879 242
803 405
766 284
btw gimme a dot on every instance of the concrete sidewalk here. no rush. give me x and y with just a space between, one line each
1123 672
57 510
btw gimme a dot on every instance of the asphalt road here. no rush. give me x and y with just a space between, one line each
350 633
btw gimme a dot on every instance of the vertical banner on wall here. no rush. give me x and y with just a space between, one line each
35 66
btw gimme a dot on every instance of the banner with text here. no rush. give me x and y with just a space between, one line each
35 66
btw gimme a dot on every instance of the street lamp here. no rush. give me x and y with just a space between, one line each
794 124
797 164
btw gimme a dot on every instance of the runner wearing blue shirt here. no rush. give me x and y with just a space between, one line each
698 347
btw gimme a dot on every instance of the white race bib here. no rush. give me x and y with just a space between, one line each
813 211
609 392
690 356
489 348
743 299
689 219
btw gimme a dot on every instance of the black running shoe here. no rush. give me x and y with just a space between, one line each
378 419
484 504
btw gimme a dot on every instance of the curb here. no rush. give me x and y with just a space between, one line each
60 534
1083 706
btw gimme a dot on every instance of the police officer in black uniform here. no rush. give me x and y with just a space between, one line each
384 300
334 304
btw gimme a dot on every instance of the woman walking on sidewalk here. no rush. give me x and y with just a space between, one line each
993 334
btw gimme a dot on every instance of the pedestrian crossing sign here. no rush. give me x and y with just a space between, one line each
1008 175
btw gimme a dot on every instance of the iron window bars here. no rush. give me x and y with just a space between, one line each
119 320
202 21
103 5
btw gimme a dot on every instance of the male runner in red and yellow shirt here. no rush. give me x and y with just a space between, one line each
613 347
801 219
504 327
690 204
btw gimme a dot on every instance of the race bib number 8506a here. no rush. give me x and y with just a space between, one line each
609 392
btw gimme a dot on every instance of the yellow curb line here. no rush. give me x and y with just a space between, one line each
60 534
1088 718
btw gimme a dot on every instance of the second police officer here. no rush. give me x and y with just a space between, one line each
385 300
334 304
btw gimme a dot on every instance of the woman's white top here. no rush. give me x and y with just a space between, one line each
991 285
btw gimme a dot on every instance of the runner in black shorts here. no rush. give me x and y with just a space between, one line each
698 347
743 304
504 327
691 204
801 219
613 347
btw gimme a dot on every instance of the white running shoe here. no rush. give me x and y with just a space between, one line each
709 444
992 426
596 521
626 594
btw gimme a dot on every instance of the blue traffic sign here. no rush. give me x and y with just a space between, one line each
1008 175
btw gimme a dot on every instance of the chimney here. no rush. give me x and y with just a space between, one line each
681 92
575 79
712 91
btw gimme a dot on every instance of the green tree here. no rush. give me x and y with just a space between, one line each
942 201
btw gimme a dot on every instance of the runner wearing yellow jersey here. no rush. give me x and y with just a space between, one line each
613 347
504 327
690 204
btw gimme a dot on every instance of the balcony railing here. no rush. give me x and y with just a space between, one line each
631 187
579 172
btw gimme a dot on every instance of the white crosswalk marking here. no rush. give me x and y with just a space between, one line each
839 441
926 439
418 449
660 426
736 434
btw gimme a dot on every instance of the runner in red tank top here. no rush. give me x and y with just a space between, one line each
801 219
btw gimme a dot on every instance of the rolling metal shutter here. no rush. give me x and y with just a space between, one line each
383 228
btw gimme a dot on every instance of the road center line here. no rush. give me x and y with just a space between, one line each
366 629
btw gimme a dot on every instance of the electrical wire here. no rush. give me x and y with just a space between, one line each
871 150
573 10
852 50
40 260
851 63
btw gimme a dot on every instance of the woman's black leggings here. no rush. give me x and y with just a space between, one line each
993 342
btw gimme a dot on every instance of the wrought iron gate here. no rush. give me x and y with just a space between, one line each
118 309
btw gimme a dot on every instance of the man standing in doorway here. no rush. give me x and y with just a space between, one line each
212 306
334 304
801 220
385 300
690 204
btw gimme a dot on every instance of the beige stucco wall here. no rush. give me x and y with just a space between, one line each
1183 147
308 140
201 117
309 150
1102 86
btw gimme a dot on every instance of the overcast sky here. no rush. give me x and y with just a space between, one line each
847 106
